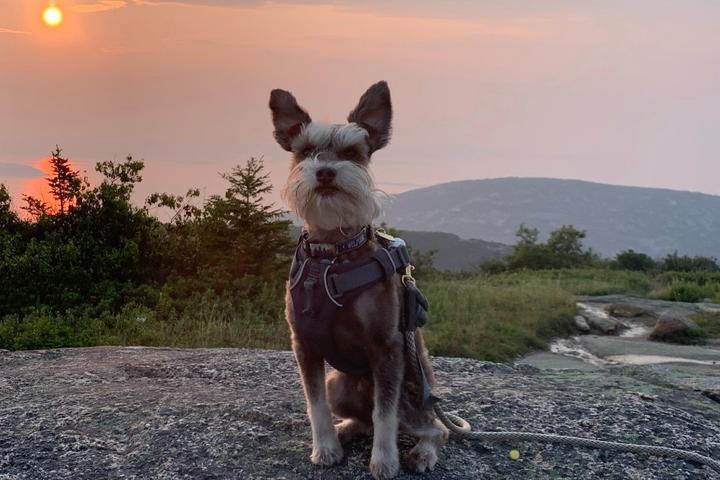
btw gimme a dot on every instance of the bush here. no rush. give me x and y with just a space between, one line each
632 260
564 249
493 266
91 267
677 263
682 291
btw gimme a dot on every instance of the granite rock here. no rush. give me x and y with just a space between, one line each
162 413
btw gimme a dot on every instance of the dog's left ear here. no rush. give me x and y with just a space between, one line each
288 117
374 114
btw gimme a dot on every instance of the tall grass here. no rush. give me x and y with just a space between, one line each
489 317
495 319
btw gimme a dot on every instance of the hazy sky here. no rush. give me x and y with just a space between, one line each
610 91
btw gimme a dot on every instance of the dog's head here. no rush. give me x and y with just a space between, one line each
330 185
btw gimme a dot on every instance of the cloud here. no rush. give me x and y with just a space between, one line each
18 32
98 6
18 170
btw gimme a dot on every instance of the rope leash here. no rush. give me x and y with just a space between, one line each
461 427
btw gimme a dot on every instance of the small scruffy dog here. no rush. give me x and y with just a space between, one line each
331 189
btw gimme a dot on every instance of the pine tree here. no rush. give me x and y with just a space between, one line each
66 185
242 231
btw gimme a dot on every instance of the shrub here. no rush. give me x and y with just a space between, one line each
493 266
683 263
564 249
632 260
683 291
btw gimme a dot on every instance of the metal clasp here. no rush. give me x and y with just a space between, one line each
407 277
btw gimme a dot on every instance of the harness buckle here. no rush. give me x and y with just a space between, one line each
407 278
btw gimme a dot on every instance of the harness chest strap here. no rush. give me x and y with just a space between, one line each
383 265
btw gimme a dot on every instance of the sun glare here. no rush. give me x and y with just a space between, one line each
52 15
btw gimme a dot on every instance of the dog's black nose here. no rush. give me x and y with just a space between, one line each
325 175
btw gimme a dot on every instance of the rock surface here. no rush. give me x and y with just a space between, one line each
655 319
138 413
598 319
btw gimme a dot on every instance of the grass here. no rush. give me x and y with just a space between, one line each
209 321
479 318
496 317
709 322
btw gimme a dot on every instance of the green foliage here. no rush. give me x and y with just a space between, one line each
563 249
78 274
94 268
684 291
709 322
632 260
491 319
683 263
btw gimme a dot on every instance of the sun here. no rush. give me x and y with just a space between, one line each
52 15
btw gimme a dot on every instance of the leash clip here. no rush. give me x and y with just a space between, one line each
407 277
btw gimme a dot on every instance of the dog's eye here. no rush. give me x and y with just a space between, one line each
307 151
349 154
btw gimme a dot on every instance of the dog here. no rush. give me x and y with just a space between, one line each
331 189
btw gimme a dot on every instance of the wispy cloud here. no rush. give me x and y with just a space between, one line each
98 6
17 32
18 170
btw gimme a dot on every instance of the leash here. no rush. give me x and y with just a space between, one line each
461 427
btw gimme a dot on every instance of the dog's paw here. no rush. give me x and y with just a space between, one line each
327 454
351 429
384 465
422 458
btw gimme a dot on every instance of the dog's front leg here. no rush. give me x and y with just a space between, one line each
387 376
326 448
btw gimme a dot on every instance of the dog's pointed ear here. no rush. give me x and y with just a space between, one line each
288 117
374 114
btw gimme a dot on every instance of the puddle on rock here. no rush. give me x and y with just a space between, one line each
632 359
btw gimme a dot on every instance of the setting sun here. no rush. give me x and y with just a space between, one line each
52 15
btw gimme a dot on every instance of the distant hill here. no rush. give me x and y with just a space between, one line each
651 220
453 252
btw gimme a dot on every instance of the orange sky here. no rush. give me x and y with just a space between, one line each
612 91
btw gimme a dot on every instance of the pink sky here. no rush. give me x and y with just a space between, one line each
612 91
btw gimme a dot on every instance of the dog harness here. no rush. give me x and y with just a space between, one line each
322 287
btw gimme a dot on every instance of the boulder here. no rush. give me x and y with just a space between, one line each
599 320
581 323
626 310
675 326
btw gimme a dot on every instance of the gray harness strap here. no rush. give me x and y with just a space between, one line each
386 263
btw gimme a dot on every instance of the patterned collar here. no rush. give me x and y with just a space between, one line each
332 250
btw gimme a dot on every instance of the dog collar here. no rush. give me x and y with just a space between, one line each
332 250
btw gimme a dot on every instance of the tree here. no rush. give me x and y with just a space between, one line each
8 218
65 183
684 263
564 249
632 260
240 230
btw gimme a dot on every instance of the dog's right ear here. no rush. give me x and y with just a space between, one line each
288 117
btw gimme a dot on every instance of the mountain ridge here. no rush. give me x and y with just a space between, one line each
653 220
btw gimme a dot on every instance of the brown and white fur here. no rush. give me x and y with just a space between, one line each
331 189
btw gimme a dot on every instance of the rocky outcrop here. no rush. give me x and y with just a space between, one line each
122 412
648 318
675 326
599 320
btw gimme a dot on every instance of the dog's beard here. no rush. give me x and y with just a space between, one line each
355 202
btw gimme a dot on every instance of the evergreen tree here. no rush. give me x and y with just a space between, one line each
66 185
8 218
241 230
